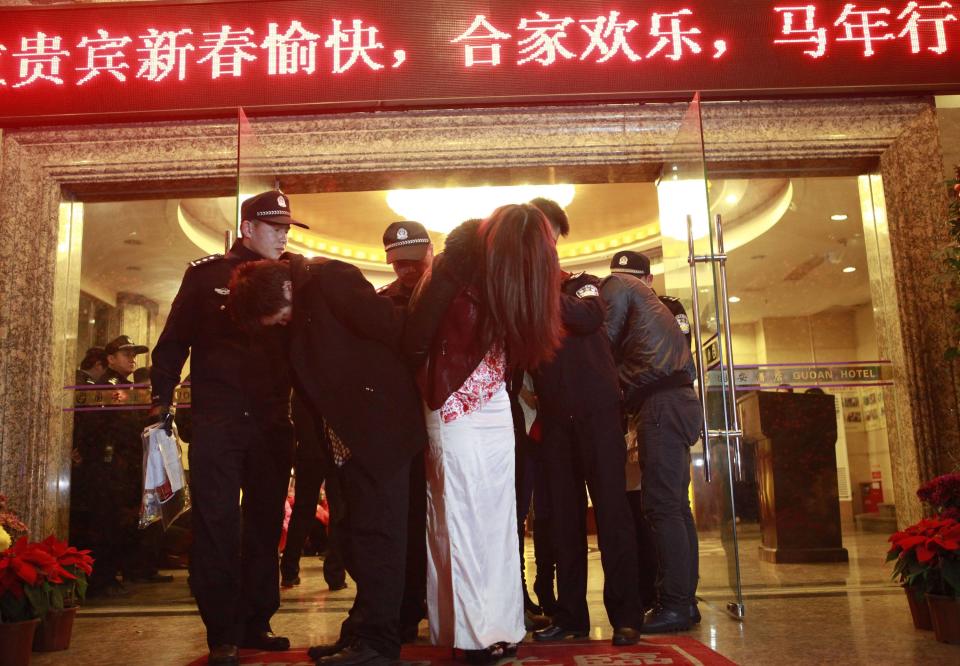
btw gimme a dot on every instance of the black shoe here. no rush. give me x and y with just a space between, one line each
224 655
626 636
336 587
267 641
318 651
352 655
663 621
152 578
557 633
289 582
694 614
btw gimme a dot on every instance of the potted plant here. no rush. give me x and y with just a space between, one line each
25 574
912 573
64 597
927 560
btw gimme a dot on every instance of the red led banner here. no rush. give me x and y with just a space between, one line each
120 60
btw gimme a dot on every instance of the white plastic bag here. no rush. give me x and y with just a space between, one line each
166 495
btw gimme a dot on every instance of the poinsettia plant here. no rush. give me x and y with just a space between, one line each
78 565
27 573
927 556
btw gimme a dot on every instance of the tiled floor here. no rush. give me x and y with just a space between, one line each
795 614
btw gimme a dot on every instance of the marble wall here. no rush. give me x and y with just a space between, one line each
43 170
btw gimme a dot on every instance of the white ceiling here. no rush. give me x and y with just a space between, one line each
141 246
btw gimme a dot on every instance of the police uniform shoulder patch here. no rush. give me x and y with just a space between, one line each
113 380
588 291
206 260
683 323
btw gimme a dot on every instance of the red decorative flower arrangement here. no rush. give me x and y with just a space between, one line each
927 554
37 577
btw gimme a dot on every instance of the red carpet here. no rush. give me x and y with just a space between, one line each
653 650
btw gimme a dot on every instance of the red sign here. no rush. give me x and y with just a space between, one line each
166 59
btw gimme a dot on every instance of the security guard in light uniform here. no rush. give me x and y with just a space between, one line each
410 253
242 437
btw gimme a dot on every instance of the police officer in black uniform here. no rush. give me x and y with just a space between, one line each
579 404
410 253
242 437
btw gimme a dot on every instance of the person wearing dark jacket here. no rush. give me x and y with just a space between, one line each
656 373
409 252
344 354
242 437
579 403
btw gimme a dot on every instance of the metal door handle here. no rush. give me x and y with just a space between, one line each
701 374
730 386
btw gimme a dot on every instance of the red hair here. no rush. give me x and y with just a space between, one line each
520 280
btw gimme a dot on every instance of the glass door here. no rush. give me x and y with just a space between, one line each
694 271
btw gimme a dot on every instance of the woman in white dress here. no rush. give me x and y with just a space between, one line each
490 306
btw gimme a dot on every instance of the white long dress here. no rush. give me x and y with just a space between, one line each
474 596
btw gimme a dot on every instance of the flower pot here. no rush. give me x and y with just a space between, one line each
55 630
918 608
15 641
945 614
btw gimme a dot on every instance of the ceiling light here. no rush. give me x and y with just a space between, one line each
838 217
732 198
734 299
679 200
850 269
444 208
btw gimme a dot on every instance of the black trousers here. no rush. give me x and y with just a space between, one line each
414 605
647 565
591 450
377 505
667 424
311 472
234 572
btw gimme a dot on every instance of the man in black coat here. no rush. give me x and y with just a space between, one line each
579 404
656 375
344 353
410 252
242 437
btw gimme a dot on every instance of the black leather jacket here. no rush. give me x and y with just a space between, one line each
650 350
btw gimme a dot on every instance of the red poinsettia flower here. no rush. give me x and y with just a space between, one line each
67 556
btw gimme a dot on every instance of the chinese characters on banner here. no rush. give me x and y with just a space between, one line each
127 58
543 38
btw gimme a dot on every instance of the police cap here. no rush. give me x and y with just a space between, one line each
123 343
405 240
272 206
630 262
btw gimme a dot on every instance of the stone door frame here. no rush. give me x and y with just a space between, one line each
44 172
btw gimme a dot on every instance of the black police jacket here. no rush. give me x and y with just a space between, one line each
397 292
650 350
345 356
582 379
231 372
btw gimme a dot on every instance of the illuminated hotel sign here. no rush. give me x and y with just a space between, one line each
194 58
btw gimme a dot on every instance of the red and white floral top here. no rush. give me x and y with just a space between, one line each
482 384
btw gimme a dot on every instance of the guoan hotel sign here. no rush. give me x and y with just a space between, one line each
195 58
